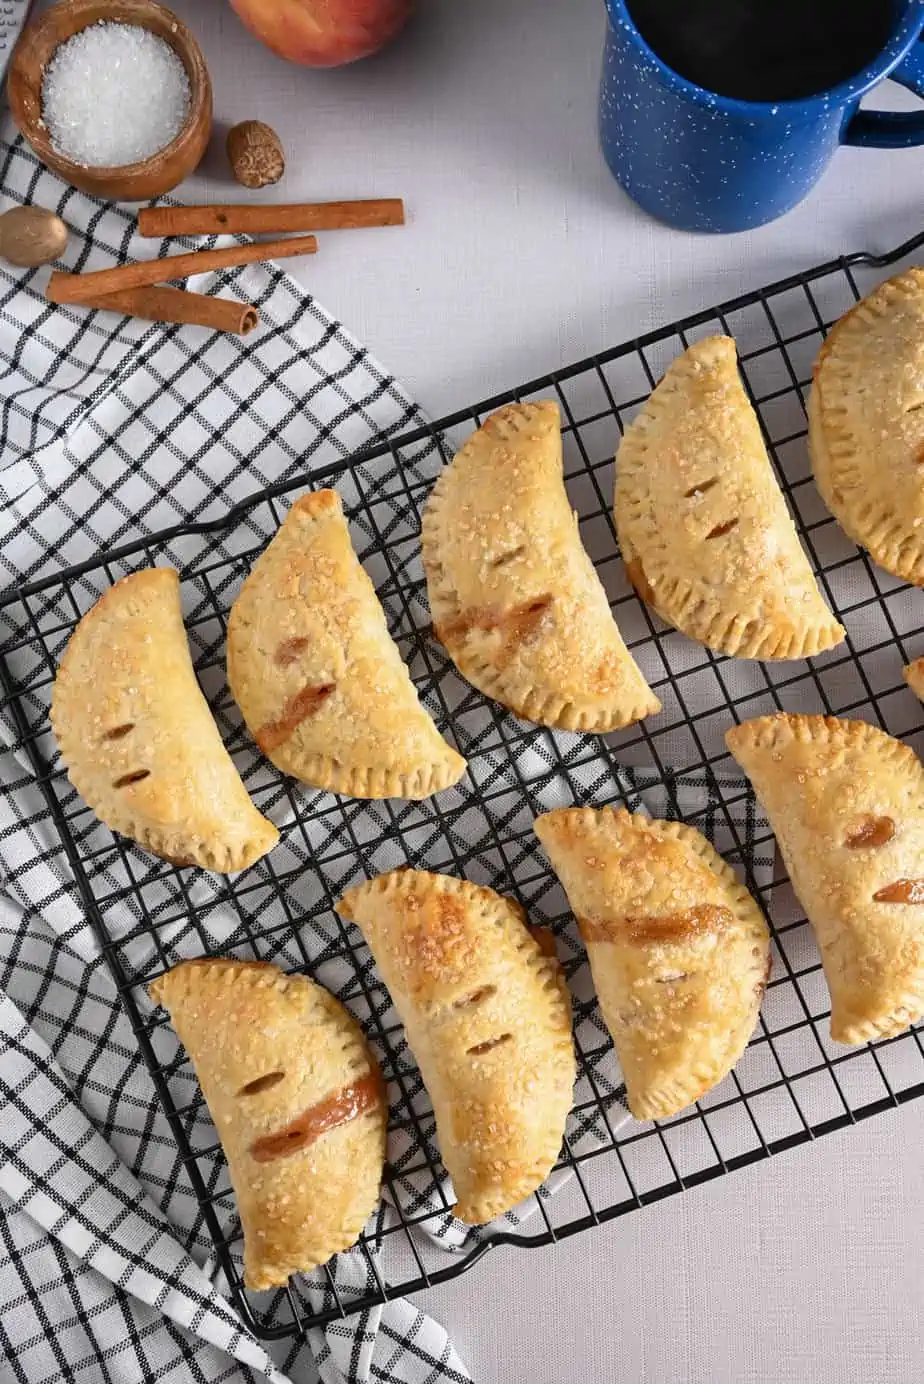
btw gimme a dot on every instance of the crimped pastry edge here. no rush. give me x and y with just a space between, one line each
540 705
373 782
481 1210
785 728
477 1210
175 985
676 600
176 847
736 635
325 772
868 521
406 881
664 829
670 1099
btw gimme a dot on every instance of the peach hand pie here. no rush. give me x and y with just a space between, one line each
488 1018
298 1103
678 949
515 598
703 526
319 681
137 736
866 425
846 802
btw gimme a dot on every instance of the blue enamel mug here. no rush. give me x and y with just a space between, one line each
705 162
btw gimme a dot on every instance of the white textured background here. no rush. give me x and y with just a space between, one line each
521 255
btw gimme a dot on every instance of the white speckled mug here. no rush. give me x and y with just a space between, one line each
705 162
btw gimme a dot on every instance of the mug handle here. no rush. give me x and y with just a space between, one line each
893 129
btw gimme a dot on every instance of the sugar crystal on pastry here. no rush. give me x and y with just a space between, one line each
866 424
298 1101
318 678
488 1019
678 949
846 802
137 736
703 526
514 597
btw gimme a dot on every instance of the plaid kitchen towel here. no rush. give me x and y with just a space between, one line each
113 429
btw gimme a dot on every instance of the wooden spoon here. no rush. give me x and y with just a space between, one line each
30 236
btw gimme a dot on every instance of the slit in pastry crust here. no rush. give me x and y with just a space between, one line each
487 1017
137 736
866 424
317 676
678 949
822 781
298 1102
703 526
515 599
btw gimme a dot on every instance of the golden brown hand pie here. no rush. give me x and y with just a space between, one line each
914 677
846 802
315 672
515 598
488 1018
866 424
137 736
297 1100
678 949
703 526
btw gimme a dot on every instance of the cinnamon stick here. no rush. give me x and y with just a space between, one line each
159 304
78 288
261 220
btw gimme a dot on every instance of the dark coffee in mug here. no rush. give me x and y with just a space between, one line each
765 50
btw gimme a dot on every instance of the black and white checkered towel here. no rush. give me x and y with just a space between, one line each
111 429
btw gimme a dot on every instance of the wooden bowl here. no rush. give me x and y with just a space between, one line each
132 182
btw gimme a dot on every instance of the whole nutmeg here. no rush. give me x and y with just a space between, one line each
30 236
255 154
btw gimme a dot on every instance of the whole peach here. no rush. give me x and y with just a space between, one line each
323 33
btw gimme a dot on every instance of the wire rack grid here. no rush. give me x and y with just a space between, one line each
792 1083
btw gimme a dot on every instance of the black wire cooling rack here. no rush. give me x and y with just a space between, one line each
792 1084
